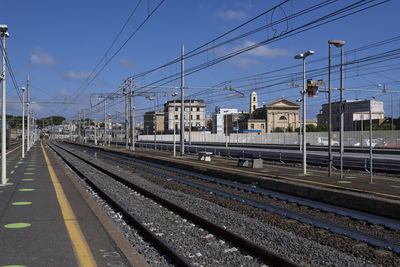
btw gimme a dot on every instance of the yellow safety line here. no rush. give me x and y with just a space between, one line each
79 244
282 177
12 150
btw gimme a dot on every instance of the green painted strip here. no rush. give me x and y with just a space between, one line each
30 169
302 174
264 171
344 182
27 179
28 173
21 203
7 180
13 266
12 172
26 189
17 225
395 186
16 166
350 177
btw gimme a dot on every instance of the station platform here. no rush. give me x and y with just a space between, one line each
48 219
382 197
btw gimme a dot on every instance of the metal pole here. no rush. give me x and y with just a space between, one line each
304 118
182 104
391 103
190 121
155 126
95 132
370 142
79 126
174 130
341 114
105 127
3 117
330 117
28 130
132 118
126 121
23 122
226 128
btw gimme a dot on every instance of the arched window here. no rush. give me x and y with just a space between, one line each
254 107
283 118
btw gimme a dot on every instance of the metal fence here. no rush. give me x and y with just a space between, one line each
351 138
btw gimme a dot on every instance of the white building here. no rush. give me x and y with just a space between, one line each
218 118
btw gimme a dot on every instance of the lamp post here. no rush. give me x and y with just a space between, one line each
337 43
4 35
23 122
174 95
303 56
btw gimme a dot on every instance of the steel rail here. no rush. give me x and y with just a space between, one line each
266 255
357 235
128 216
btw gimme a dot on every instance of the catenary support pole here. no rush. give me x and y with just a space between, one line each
182 103
132 118
126 121
330 159
341 114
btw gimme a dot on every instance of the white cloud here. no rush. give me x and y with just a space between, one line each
39 57
76 75
253 56
231 14
263 51
126 62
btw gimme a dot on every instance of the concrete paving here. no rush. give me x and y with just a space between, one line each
35 224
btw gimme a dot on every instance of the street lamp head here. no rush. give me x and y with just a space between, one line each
3 28
175 94
337 43
299 56
309 53
23 89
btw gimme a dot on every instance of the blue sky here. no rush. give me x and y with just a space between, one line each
59 44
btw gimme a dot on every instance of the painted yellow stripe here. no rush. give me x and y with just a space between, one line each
79 244
15 148
278 176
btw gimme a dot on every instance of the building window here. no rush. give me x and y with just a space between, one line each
191 117
254 107
176 117
262 126
198 117
252 126
198 109
176 108
254 98
283 118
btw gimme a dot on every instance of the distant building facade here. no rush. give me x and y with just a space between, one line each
350 117
195 115
153 122
218 119
281 113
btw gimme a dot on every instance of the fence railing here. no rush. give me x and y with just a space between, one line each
350 138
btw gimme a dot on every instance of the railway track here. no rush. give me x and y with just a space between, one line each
338 229
258 252
350 162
